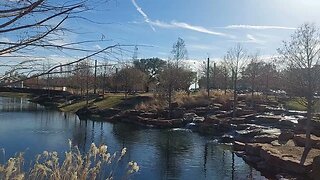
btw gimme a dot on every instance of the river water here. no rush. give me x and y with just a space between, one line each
161 154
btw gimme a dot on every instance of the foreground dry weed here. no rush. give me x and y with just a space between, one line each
97 163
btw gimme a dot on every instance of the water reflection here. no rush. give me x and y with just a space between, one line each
15 104
161 154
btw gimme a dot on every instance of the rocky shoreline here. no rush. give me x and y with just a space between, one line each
265 136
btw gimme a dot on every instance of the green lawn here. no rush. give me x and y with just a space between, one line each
75 106
295 104
109 102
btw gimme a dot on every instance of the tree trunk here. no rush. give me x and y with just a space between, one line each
235 98
170 100
252 93
307 147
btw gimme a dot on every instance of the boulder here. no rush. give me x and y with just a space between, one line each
243 112
202 111
267 119
266 138
188 117
276 111
226 138
237 120
214 129
315 172
192 117
212 119
248 116
292 112
198 119
282 158
300 140
178 113
285 158
262 165
252 149
285 136
218 105
238 146
149 115
287 124
261 107
223 114
251 159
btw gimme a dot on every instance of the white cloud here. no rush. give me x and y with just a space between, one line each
250 39
145 16
174 24
200 47
183 25
4 39
196 28
253 39
97 46
162 24
242 26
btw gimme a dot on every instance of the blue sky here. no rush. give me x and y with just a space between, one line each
207 26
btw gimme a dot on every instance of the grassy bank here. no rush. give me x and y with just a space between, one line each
298 104
295 104
106 102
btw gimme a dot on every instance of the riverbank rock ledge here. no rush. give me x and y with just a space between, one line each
281 158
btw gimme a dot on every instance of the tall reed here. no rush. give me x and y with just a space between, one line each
97 163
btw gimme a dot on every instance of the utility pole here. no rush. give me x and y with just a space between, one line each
104 79
95 77
87 93
208 86
61 78
116 83
135 53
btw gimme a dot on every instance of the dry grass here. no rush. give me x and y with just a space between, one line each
198 99
222 98
181 98
156 104
257 98
98 163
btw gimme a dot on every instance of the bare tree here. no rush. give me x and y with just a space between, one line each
174 78
179 51
302 57
270 78
252 74
175 75
235 60
39 26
